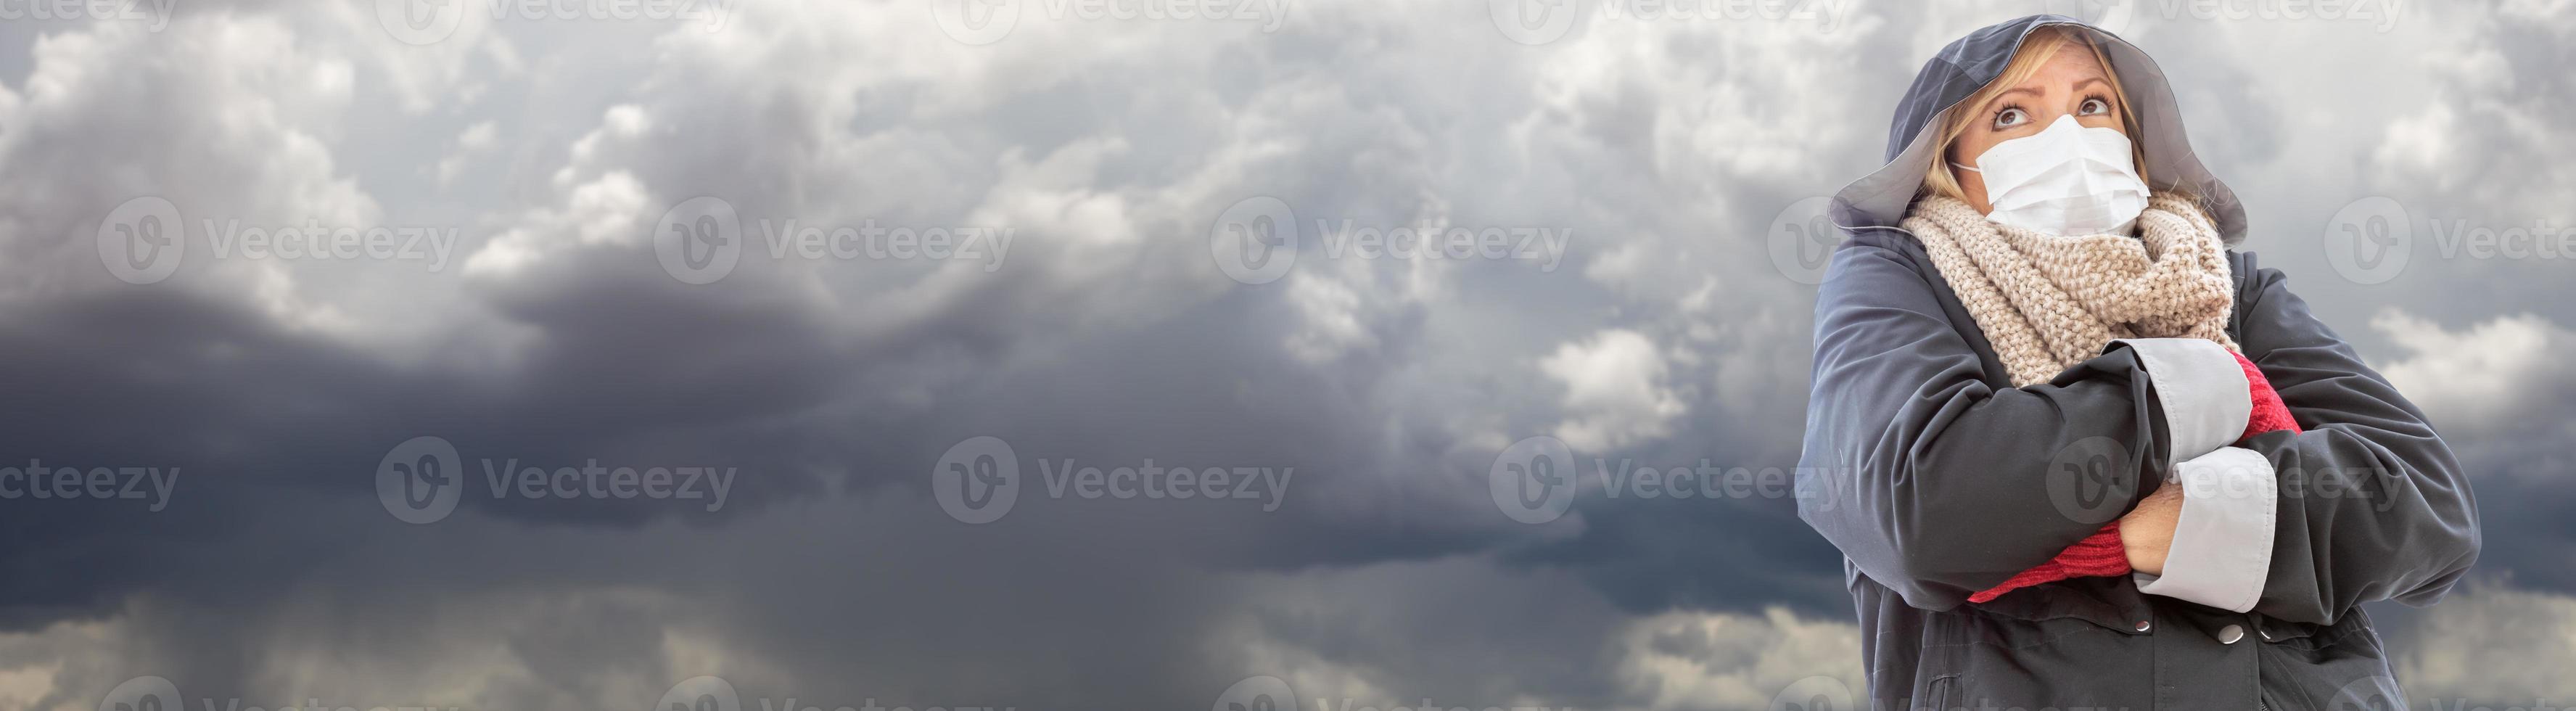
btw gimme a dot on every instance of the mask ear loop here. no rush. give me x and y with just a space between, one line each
1955 164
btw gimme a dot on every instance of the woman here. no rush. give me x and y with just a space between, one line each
2031 423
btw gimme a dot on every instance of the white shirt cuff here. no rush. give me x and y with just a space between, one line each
2222 544
2206 398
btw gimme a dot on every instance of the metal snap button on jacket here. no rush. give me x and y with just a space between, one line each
2229 634
2143 626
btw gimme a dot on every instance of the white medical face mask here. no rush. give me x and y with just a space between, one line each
2065 180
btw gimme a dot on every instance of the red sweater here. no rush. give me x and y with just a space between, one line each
2101 555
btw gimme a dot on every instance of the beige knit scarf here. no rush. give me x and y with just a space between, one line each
2047 302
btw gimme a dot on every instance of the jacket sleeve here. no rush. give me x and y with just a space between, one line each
1930 480
2372 505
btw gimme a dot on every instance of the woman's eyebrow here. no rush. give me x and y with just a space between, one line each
2079 85
2009 92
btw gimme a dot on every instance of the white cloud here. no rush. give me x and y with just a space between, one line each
1709 660
1330 309
2486 375
608 211
499 648
2495 390
476 139
1465 631
1615 391
228 117
2490 644
2485 144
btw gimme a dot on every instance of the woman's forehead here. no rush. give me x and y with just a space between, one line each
2071 62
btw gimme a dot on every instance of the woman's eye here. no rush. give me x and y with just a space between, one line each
2093 107
2010 117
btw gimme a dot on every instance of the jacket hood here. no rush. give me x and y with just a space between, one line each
1879 200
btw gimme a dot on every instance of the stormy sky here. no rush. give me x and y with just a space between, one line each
1067 354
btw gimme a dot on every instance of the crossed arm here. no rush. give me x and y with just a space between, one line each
1923 459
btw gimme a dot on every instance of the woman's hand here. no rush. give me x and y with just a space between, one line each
2146 532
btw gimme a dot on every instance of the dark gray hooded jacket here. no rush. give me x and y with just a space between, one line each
1936 478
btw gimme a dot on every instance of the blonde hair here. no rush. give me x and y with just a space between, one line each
2035 50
